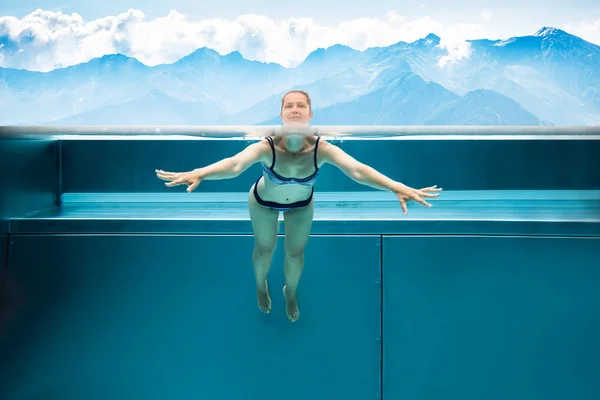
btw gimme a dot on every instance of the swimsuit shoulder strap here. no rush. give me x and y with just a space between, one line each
270 140
316 148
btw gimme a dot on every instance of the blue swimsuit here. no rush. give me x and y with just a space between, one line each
281 180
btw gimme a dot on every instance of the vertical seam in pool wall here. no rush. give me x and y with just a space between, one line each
4 264
60 168
381 317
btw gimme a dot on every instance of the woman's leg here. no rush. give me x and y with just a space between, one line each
298 223
264 225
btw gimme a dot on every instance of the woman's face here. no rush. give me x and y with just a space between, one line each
295 109
295 112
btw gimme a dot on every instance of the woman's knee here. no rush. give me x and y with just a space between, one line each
294 254
264 249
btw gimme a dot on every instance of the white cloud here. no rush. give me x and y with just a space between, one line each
591 30
486 15
592 25
394 17
455 42
588 30
52 39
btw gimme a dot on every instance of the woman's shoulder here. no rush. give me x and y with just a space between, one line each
323 142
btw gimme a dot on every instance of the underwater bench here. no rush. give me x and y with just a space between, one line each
497 212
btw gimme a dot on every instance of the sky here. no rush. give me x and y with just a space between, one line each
44 35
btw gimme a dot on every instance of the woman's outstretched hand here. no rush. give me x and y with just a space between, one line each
191 178
406 193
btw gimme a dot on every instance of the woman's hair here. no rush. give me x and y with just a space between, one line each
298 91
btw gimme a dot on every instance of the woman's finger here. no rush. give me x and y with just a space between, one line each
174 183
403 205
431 189
425 194
193 185
420 200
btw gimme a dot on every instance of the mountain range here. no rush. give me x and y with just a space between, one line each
549 78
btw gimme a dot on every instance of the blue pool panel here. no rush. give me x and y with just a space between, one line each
491 318
159 317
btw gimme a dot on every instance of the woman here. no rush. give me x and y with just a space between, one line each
283 157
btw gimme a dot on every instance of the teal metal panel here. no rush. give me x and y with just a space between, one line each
173 317
474 318
3 249
5 300
29 181
29 176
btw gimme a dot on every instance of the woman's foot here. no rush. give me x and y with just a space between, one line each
291 305
264 300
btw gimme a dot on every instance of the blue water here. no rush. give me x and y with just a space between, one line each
115 288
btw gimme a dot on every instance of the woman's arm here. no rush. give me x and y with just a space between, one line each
225 169
355 170
234 166
366 175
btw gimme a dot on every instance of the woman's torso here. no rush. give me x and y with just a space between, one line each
299 165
